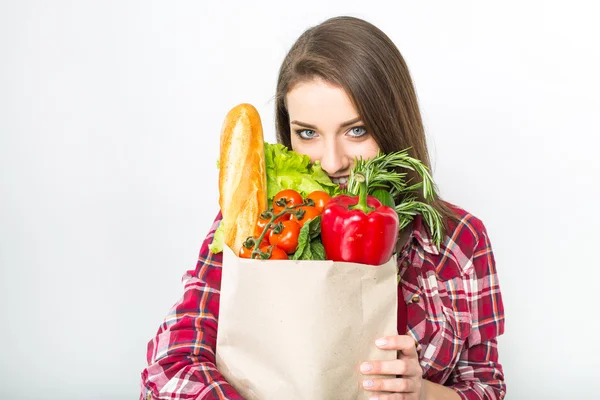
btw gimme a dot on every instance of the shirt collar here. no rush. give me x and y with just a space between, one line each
422 235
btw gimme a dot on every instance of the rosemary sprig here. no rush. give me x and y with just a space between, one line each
409 208
383 172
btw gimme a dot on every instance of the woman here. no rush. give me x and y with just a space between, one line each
344 91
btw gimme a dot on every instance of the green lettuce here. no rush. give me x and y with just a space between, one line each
218 240
288 170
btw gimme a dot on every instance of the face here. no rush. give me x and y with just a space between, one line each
325 126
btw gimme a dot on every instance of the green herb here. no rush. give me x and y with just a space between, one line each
384 196
317 249
309 242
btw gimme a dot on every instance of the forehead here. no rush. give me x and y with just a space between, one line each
317 100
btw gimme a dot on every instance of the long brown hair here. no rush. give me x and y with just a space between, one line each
359 57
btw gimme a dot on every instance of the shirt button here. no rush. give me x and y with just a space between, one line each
415 299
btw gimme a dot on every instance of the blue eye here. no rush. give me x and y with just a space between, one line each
306 134
357 131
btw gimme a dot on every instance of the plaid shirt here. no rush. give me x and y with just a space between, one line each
453 309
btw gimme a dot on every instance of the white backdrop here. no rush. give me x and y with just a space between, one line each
110 113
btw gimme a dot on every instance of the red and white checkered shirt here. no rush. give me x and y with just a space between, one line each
453 309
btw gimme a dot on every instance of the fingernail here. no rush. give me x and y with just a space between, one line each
374 398
368 383
381 342
365 367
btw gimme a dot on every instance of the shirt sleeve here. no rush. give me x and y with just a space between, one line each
181 357
478 374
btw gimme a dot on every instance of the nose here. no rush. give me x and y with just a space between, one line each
333 158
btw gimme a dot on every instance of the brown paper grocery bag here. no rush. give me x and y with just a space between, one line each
299 330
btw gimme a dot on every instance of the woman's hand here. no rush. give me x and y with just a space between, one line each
410 385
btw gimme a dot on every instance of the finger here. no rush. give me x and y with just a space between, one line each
407 367
405 343
396 385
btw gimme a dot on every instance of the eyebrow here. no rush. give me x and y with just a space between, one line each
342 125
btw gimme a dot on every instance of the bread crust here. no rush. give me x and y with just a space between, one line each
242 174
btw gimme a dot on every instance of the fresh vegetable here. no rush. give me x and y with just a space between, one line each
216 246
285 236
264 251
383 172
384 197
265 218
310 246
320 198
262 222
248 246
286 198
295 230
359 228
278 229
245 252
305 214
287 169
273 253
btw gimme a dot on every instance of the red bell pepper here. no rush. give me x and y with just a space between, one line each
359 228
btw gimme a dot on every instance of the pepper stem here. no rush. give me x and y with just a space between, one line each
362 194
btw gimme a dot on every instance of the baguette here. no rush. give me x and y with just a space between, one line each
242 174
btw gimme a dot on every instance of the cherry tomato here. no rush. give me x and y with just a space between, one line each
287 238
262 222
246 252
276 253
310 212
320 198
287 197
265 241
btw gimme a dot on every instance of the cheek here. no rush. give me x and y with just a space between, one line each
366 149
